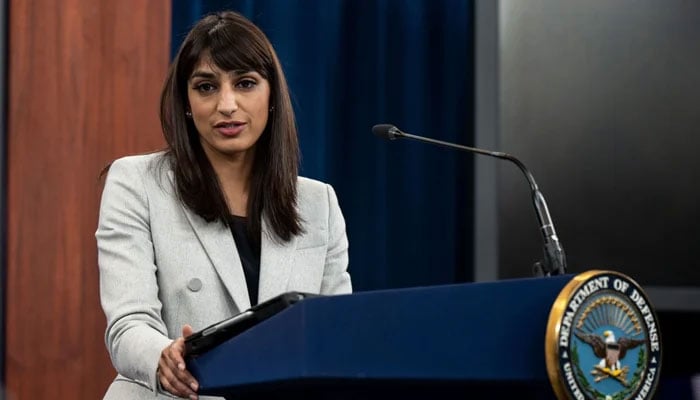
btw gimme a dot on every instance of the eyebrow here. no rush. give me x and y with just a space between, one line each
203 74
211 75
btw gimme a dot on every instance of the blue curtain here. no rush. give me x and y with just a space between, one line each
355 63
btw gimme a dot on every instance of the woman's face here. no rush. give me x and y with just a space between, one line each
229 109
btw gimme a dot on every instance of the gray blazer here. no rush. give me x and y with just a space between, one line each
162 266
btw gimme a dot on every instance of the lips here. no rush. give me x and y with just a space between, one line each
230 129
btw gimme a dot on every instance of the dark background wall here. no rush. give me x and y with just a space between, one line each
600 100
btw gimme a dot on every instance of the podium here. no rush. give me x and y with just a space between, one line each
475 340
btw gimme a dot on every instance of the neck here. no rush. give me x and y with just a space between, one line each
234 174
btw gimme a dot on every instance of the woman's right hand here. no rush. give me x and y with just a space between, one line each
172 373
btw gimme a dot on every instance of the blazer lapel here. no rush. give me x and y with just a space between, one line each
217 240
275 264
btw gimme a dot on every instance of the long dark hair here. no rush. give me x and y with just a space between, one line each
234 43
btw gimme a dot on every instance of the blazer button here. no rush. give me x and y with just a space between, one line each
194 284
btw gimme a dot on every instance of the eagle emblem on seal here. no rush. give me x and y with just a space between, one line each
611 351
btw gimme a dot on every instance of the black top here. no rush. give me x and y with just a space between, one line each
249 253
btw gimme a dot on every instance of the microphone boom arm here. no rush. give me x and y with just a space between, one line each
554 262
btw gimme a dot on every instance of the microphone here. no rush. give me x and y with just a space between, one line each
554 262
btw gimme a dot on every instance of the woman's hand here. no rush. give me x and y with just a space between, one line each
172 374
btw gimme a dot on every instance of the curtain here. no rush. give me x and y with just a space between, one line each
352 64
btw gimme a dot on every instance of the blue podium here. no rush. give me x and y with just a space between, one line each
477 340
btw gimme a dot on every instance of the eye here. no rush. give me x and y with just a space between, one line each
204 87
246 83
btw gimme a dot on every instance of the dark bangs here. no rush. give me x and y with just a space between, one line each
231 46
236 49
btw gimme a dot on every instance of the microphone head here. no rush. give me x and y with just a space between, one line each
386 131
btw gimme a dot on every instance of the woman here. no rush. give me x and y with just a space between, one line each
218 221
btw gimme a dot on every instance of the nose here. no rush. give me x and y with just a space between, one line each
227 101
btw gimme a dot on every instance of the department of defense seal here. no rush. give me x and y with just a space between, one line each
603 340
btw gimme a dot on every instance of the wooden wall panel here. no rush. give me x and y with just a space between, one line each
84 84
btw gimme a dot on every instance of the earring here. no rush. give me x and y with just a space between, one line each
188 114
272 108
